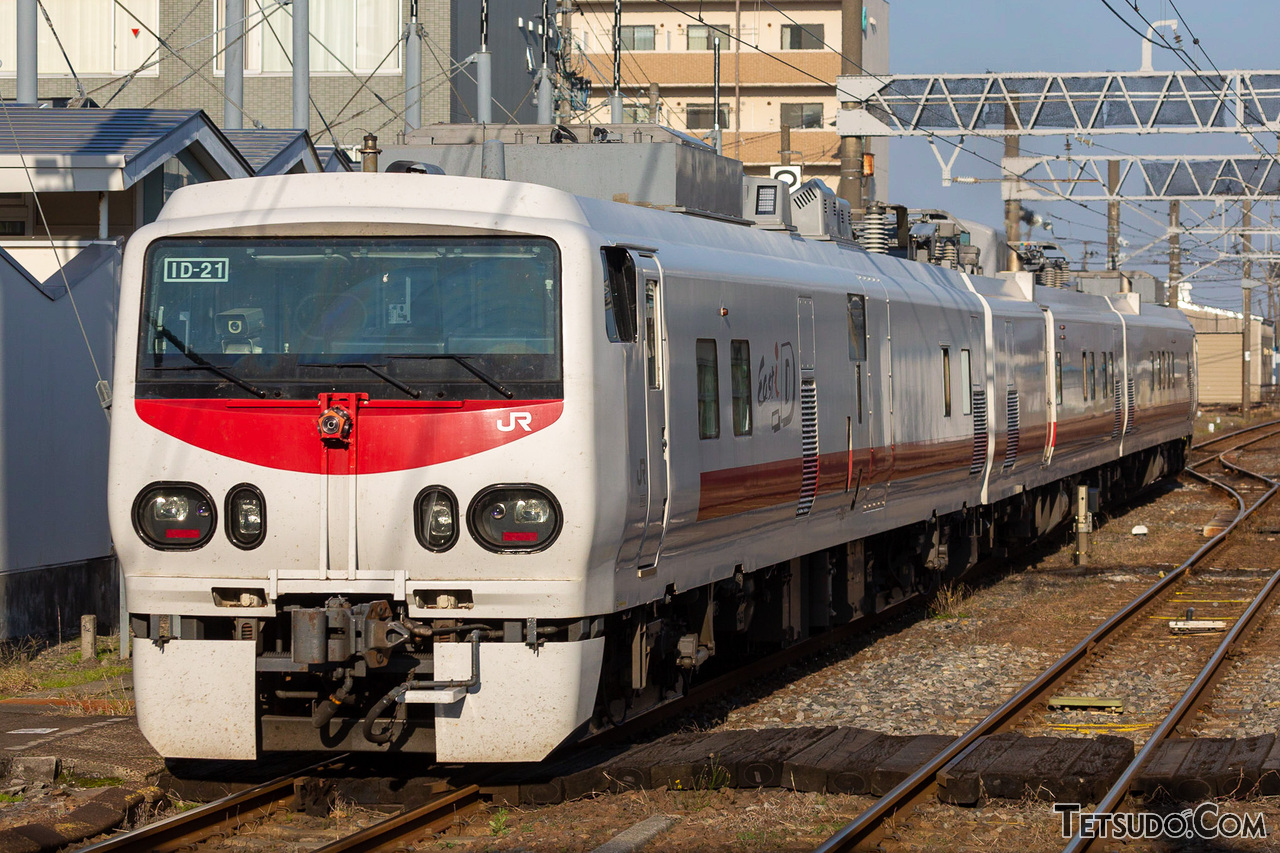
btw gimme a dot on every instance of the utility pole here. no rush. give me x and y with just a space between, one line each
737 78
1246 338
716 132
1113 215
413 72
615 99
1246 345
484 70
546 98
233 64
27 38
302 63
1172 295
852 180
1012 207
784 137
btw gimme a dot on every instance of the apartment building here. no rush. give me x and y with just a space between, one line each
778 65
169 54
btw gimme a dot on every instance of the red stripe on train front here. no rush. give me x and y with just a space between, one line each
388 436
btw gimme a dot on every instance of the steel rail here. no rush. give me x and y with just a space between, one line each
922 784
184 829
1233 434
1200 688
390 834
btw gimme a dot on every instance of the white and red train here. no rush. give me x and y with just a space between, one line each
465 467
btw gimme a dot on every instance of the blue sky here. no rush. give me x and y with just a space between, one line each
957 36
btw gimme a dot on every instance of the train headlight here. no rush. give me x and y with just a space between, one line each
435 518
516 518
246 516
174 516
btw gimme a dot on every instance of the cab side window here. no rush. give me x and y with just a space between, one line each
619 294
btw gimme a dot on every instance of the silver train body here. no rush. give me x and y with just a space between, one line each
690 436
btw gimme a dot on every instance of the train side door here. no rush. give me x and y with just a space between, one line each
652 333
858 430
1052 386
879 400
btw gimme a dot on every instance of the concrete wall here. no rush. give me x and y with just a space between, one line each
53 439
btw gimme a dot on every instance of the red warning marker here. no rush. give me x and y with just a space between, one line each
136 31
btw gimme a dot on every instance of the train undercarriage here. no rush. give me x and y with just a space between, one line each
356 673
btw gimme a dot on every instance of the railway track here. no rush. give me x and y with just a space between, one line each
1250 498
230 814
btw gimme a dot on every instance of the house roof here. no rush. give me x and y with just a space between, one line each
77 150
272 151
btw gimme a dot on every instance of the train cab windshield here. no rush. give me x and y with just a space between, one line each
427 318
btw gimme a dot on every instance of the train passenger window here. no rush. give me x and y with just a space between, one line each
1084 376
857 327
1093 377
966 376
858 372
740 381
708 390
1057 377
651 344
946 382
619 295
1153 370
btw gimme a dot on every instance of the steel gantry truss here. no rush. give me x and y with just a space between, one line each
1044 104
1141 178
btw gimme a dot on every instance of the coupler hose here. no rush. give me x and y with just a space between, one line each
327 709
397 693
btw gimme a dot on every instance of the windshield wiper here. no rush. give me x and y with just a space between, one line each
374 369
200 362
470 368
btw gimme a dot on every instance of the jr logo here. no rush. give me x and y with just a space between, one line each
523 419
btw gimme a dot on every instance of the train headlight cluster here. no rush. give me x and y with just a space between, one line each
246 516
514 518
174 516
435 518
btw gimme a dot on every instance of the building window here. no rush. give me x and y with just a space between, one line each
802 37
708 390
362 37
99 36
699 37
740 379
701 117
802 115
639 37
635 114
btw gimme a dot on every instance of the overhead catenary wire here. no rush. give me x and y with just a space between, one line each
58 41
289 55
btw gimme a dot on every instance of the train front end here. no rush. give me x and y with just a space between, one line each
351 490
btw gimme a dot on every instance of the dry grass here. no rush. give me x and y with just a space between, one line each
115 701
948 601
16 675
